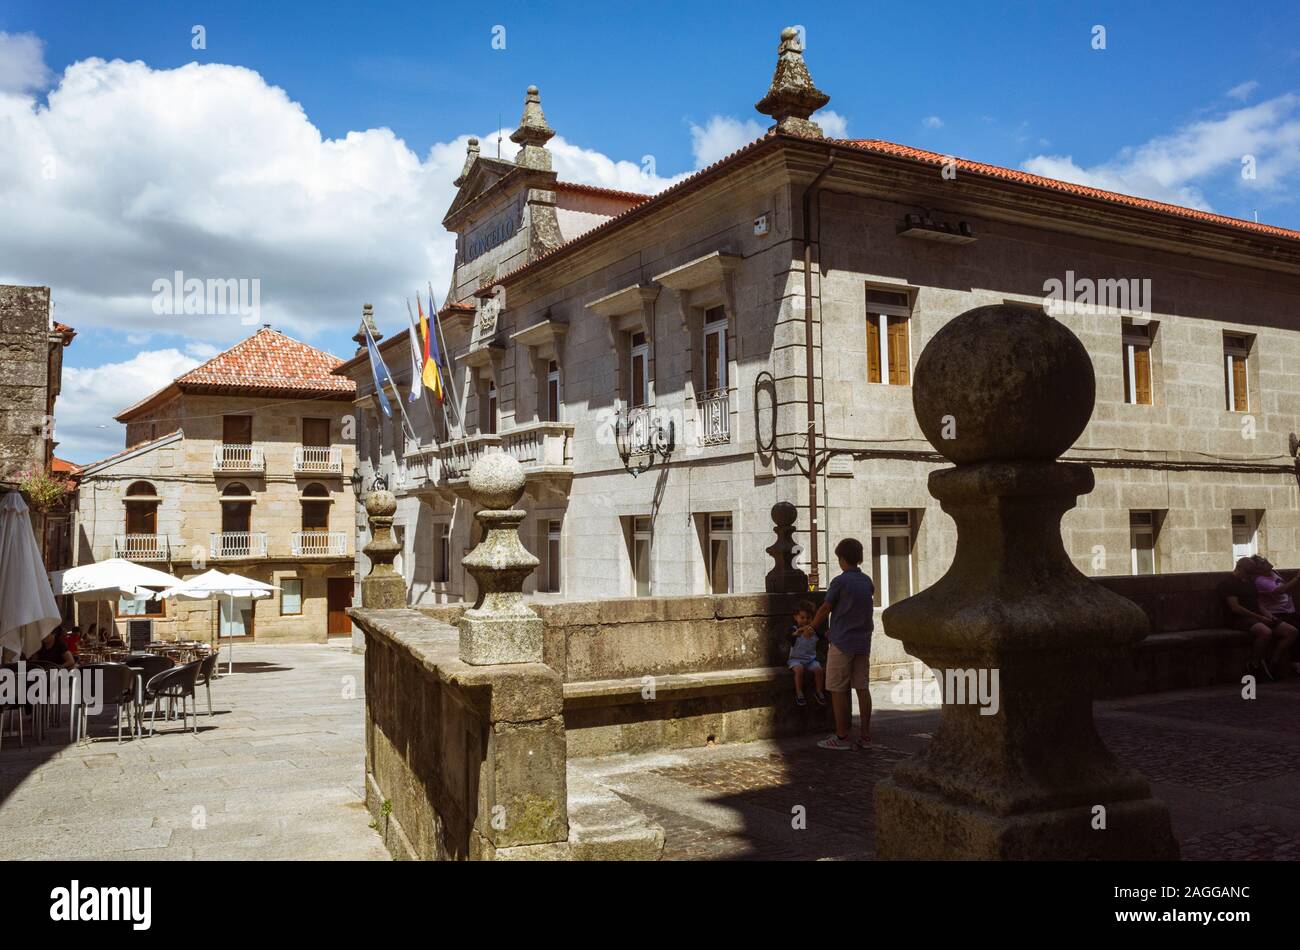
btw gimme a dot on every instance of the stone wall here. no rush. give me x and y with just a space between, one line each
24 380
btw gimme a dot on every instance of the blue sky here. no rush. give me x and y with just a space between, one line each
1163 110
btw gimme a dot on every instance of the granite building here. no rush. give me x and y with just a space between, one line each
241 464
667 368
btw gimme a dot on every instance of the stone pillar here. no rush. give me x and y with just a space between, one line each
784 578
1002 391
500 627
383 588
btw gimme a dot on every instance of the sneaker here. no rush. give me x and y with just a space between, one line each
835 742
860 743
800 701
821 697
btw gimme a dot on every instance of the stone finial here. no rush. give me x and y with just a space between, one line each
367 322
792 97
471 156
500 627
533 134
784 578
383 588
1017 637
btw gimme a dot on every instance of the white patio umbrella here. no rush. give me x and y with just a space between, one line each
109 580
27 607
214 585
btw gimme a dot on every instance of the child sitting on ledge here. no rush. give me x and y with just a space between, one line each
803 653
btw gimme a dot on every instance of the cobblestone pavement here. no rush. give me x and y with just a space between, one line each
1228 768
276 773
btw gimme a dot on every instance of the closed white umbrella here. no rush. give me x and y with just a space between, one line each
214 585
28 610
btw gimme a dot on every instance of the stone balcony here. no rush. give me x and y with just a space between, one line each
319 543
318 459
142 547
228 458
544 449
236 545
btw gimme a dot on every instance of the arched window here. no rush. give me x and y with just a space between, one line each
236 508
235 490
315 507
141 514
142 488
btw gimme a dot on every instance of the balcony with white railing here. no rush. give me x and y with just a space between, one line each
541 447
142 547
714 417
318 459
459 455
320 543
233 545
238 458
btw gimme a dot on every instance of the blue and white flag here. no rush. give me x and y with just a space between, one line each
380 373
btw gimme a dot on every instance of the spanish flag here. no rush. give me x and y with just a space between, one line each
431 375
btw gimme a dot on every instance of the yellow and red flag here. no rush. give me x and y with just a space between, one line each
430 374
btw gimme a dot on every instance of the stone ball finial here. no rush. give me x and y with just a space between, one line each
1003 383
496 482
784 514
472 141
381 503
789 33
533 90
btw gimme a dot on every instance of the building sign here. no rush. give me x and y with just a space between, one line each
495 230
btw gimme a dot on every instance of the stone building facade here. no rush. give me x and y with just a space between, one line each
747 336
242 464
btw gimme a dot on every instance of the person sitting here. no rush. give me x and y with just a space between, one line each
54 650
1272 637
1275 596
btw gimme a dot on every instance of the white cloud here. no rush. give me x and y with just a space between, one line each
22 63
1242 91
83 415
932 122
833 124
721 136
1178 167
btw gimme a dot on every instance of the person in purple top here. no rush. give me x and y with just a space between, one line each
850 602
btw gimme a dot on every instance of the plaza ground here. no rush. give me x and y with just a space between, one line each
277 774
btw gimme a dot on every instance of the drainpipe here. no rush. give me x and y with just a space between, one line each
814 530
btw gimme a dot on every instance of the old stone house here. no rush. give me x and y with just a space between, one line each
240 464
668 368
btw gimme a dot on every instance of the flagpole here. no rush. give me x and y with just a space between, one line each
447 383
397 394
446 358
423 388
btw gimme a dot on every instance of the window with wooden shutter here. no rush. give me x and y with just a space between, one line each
888 344
1138 389
1236 350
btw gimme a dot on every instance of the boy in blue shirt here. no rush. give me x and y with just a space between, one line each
850 602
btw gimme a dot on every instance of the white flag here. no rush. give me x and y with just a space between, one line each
417 368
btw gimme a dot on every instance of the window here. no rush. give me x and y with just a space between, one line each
1142 529
891 555
1236 350
236 508
442 555
715 351
237 430
550 578
316 432
640 551
889 352
315 513
490 423
552 391
141 509
1245 536
720 554
639 389
142 607
1137 364
290 596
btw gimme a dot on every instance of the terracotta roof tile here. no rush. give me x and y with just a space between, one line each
577 188
882 147
63 467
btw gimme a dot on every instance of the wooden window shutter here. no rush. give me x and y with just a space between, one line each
873 348
1240 394
1142 375
898 351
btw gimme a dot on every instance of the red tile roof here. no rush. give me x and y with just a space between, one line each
63 467
267 363
881 147
632 197
67 332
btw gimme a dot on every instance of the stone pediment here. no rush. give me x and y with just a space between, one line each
481 176
490 184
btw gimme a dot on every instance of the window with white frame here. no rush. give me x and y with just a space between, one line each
715 351
720 552
889 353
442 554
891 555
552 391
1236 352
1137 363
489 424
639 361
549 576
1245 535
1142 529
639 549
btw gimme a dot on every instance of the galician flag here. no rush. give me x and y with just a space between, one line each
432 375
380 373
417 355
